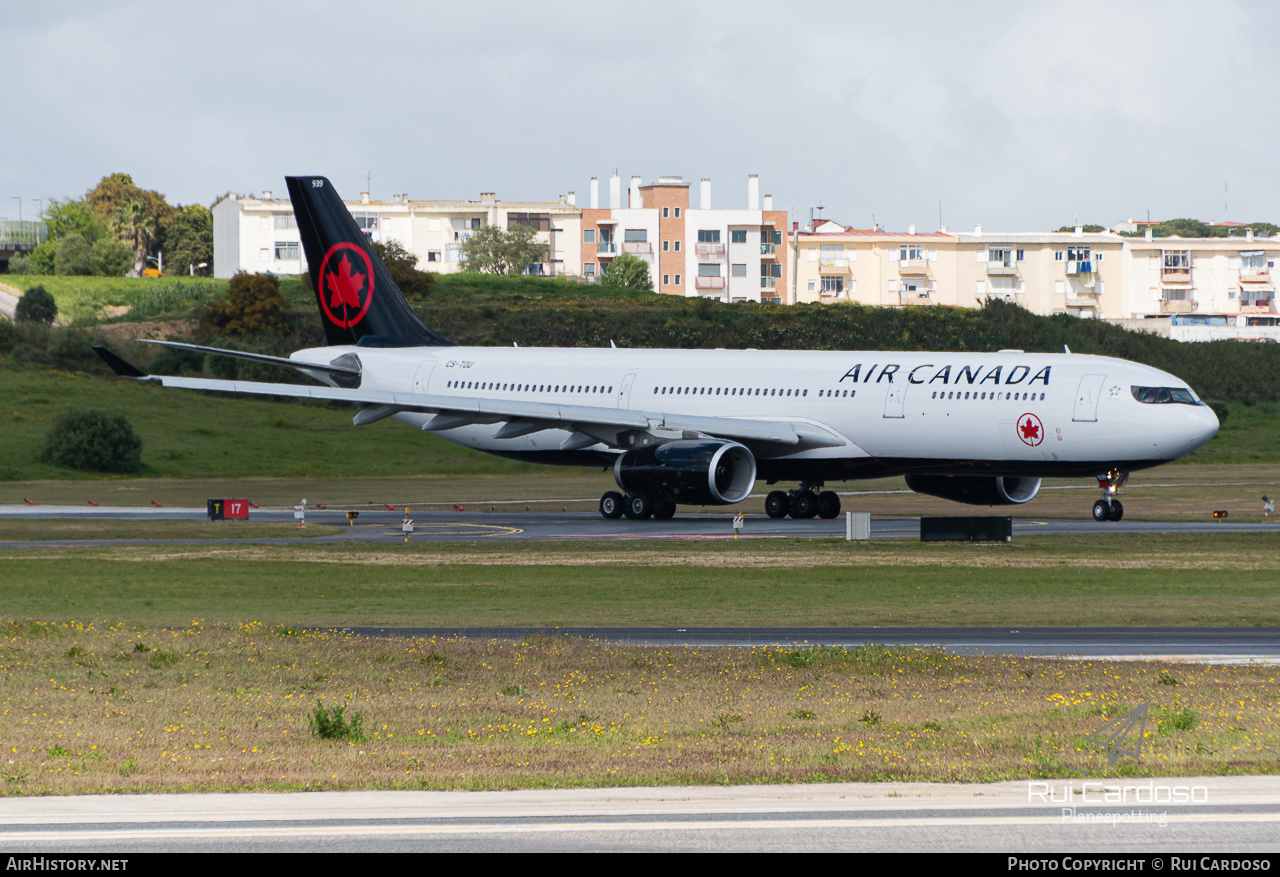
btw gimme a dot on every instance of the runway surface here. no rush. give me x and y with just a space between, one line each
1236 814
472 525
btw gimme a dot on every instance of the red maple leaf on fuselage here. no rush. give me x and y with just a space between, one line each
345 285
1029 429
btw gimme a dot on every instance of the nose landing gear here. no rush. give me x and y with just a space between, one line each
1109 508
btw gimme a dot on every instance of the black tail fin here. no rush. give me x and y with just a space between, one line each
359 302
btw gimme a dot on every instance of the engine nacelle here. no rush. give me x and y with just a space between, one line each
689 471
977 489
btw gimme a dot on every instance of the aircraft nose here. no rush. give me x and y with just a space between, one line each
1204 426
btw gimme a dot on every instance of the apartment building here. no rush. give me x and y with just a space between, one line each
258 233
729 254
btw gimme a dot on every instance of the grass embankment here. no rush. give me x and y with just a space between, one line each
52 530
115 707
1193 579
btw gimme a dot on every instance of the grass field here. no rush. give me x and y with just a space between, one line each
123 708
1194 579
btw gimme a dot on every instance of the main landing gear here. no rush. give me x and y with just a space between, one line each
803 503
1109 508
635 506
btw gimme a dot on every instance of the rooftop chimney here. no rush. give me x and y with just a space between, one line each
911 229
633 194
977 229
753 191
572 199
615 190
704 194
266 196
768 202
595 194
364 197
488 197
1147 233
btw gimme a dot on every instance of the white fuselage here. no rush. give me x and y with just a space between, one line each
1008 412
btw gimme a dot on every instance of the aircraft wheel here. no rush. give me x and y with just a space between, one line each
1117 511
828 504
777 504
611 505
1100 511
663 509
804 505
637 508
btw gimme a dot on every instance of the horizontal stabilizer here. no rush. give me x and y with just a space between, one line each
119 366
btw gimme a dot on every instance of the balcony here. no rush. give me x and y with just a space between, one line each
1000 268
1080 267
1082 301
1177 306
710 249
914 297
769 250
768 282
833 266
1257 302
1254 275
637 248
607 248
913 268
1175 275
708 283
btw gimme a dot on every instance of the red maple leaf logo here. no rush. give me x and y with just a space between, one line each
345 285
1030 429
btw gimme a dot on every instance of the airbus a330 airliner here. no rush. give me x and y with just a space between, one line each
698 427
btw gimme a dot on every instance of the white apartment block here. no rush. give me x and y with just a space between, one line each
259 234
1188 288
727 254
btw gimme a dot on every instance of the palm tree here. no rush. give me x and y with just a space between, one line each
134 224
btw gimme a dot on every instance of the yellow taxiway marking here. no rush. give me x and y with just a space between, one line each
478 529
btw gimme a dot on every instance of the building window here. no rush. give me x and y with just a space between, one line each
589 269
285 220
677 246
286 249
677 277
832 285
831 252
677 213
910 253
738 236
710 269
1176 261
666 245
635 235
1253 261
588 235
535 221
666 212
1000 255
739 270
666 279
433 255
708 235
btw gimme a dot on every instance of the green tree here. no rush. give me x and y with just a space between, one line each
188 240
75 256
111 257
93 441
490 250
402 266
44 258
67 217
139 217
36 306
252 306
628 272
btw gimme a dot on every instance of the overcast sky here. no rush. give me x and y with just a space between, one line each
1018 116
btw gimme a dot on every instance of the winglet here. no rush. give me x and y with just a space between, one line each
118 365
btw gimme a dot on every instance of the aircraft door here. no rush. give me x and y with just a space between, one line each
624 392
893 403
1086 409
422 380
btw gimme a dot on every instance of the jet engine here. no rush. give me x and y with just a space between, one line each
689 471
977 489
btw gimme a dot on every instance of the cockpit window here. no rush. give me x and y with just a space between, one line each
1165 395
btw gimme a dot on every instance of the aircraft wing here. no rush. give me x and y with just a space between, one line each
588 424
